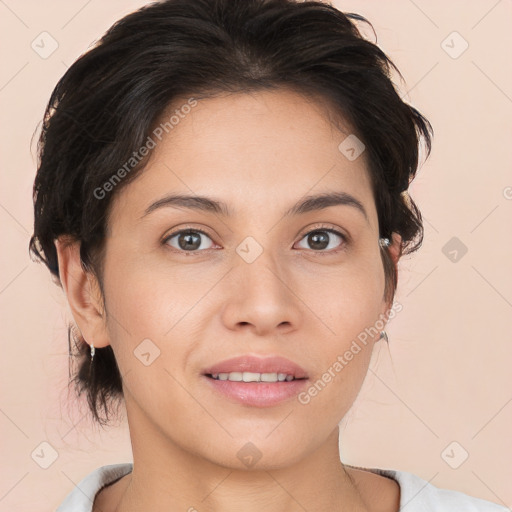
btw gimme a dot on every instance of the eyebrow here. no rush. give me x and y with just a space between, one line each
208 204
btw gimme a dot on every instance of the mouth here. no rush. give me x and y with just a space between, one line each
252 390
254 377
254 368
253 381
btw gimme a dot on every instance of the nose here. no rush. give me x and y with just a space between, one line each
262 297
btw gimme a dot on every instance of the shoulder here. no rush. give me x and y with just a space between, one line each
418 495
81 497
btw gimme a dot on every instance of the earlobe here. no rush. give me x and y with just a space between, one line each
395 249
82 292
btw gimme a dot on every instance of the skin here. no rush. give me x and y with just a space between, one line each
260 153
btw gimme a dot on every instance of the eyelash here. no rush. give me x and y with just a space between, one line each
320 228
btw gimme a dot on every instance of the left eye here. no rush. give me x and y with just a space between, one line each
319 239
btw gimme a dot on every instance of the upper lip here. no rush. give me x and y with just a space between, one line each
249 363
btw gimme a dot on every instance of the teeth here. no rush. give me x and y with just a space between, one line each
253 377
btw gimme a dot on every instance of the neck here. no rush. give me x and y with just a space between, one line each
167 477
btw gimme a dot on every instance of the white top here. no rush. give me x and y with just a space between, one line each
416 494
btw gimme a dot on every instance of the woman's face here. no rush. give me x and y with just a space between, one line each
251 282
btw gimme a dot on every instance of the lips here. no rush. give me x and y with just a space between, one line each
248 363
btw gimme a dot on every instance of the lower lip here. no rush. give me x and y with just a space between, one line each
258 394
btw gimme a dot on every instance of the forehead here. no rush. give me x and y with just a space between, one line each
256 151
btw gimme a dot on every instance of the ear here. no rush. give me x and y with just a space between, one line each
83 293
395 251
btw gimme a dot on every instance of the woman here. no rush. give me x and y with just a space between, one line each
222 195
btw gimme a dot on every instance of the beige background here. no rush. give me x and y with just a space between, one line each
443 388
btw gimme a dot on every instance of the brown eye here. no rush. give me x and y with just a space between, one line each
321 239
188 240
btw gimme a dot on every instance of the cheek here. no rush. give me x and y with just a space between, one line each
147 326
348 297
154 308
350 305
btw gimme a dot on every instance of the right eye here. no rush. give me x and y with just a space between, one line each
188 240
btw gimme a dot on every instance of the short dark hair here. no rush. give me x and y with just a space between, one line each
106 104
